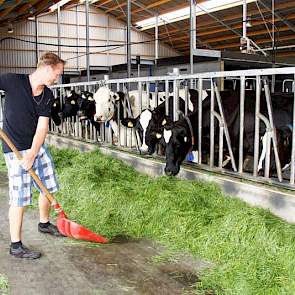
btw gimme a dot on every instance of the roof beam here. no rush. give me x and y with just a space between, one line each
6 11
119 5
278 16
155 4
251 12
102 3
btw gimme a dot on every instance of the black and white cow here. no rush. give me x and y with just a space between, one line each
178 136
150 123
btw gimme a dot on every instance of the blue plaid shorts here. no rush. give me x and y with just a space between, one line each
20 181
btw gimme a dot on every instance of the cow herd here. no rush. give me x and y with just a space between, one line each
150 116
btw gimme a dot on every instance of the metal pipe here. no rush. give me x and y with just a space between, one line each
36 39
211 163
241 138
292 176
87 40
157 40
200 89
193 37
256 134
167 97
245 19
78 39
128 38
58 30
274 135
240 73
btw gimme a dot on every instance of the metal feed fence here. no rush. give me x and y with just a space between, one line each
177 86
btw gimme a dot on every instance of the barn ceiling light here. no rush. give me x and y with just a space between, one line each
184 13
58 4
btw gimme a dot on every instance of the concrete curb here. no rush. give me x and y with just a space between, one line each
280 203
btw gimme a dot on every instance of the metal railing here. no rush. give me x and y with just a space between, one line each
178 86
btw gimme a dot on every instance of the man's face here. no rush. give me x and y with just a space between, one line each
52 74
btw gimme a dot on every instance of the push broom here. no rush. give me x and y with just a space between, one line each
65 226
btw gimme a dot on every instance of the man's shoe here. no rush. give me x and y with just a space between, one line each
50 229
24 252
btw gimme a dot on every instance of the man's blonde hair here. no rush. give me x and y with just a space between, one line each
50 59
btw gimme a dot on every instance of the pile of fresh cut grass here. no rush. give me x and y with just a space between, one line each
253 252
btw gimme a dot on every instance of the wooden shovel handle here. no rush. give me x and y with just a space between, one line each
48 195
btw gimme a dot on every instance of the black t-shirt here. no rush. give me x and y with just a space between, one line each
22 110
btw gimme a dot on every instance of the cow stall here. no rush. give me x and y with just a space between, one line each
248 114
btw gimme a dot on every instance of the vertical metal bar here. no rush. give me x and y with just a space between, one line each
245 19
211 164
221 132
156 93
157 40
125 111
292 176
128 38
140 95
186 103
148 89
241 138
167 97
36 38
267 157
118 115
58 30
274 135
78 38
193 37
200 89
256 134
175 101
87 40
224 124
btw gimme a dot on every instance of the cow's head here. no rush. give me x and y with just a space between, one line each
71 104
105 102
178 139
150 126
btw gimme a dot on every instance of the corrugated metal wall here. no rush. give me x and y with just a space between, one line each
20 57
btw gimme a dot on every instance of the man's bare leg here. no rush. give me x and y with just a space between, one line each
44 208
15 222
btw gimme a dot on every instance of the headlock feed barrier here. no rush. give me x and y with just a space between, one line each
224 149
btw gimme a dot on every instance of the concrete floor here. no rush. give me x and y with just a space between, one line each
122 267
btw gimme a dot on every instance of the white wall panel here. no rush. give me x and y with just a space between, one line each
20 57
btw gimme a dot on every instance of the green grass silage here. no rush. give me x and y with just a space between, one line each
252 251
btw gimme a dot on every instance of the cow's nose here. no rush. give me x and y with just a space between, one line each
144 148
97 118
168 172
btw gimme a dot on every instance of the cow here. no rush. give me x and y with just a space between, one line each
180 138
150 123
108 103
70 107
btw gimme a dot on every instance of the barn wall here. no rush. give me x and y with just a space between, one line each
20 57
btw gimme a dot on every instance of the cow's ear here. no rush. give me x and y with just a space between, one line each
128 122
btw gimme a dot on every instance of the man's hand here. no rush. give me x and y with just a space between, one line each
28 160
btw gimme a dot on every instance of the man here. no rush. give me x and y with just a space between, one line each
26 115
